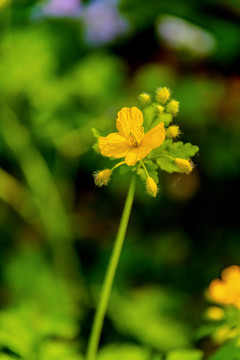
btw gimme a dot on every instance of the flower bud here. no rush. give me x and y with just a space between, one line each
183 165
160 109
172 131
102 178
221 334
163 95
151 186
214 313
173 107
145 98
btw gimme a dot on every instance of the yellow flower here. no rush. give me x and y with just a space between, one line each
227 290
130 141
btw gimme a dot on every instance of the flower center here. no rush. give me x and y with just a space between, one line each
135 137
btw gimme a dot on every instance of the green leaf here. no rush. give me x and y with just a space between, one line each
229 352
124 169
167 164
205 330
157 357
7 357
165 118
96 147
194 354
125 351
54 350
142 315
175 150
149 113
95 133
152 169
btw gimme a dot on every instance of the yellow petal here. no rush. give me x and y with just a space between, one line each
130 121
155 137
136 154
218 291
113 145
232 275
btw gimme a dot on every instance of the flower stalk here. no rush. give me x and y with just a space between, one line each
109 277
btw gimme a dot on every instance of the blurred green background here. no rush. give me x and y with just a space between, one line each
67 66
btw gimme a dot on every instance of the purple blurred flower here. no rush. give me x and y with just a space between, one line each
103 22
62 8
101 18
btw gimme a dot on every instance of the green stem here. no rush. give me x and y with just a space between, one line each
162 155
144 167
109 277
117 165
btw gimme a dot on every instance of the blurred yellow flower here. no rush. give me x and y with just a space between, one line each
227 290
130 141
214 313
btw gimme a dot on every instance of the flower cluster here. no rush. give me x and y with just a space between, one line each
225 293
147 135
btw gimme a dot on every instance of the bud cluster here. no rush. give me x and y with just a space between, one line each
164 103
158 112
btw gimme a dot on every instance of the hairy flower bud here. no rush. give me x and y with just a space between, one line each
160 109
183 165
163 95
102 178
173 107
151 186
145 98
172 132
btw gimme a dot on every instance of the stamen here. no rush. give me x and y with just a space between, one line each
136 137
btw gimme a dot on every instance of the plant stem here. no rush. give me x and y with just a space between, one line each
144 167
117 165
109 277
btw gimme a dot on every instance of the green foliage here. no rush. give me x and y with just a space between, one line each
142 315
165 118
44 311
151 76
123 351
185 355
149 114
152 170
7 357
175 150
54 350
230 351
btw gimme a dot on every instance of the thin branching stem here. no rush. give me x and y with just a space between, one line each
109 277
